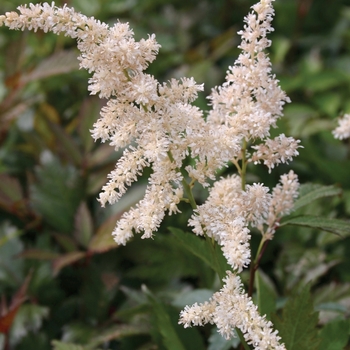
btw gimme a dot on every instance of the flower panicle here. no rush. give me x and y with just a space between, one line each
231 308
156 126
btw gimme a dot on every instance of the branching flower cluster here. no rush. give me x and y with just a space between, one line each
157 126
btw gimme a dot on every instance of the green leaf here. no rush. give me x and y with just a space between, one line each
324 80
334 335
102 240
88 114
204 249
266 295
11 269
83 225
10 190
78 332
60 62
298 325
336 226
57 193
191 297
29 318
67 143
65 260
65 241
332 301
118 332
311 192
170 338
57 345
218 342
38 254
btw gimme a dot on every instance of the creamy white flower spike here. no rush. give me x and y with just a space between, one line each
250 101
231 308
273 152
342 131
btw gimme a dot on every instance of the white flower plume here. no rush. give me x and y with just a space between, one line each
342 131
157 126
231 308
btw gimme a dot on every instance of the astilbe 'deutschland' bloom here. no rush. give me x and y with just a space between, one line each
157 126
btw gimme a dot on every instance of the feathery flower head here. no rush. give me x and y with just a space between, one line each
231 308
342 131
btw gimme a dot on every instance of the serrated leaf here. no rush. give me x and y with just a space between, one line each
336 226
10 190
171 340
102 240
101 155
332 301
218 342
204 249
118 332
311 192
66 142
332 292
59 63
38 254
65 260
58 345
83 225
266 295
191 297
334 335
29 318
11 269
65 241
8 313
298 325
88 114
57 194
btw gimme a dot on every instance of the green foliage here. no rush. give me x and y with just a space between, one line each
298 324
205 249
266 295
57 345
58 190
339 227
163 325
335 335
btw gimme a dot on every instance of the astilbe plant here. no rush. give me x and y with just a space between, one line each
158 127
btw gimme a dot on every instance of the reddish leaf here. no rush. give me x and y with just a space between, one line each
38 254
59 63
66 260
7 319
103 240
83 225
66 242
8 313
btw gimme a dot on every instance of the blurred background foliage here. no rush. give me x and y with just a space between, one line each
62 277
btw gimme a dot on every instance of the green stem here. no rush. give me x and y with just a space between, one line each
255 264
244 344
188 190
235 162
187 187
259 249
